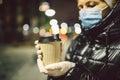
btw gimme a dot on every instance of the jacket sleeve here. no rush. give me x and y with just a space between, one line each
73 55
94 67
100 66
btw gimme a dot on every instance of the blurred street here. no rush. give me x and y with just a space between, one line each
18 62
24 21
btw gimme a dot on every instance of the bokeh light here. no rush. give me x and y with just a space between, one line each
63 31
53 22
64 28
44 6
64 25
55 29
26 27
50 12
42 32
77 28
35 30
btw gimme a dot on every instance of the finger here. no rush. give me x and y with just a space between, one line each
40 57
39 52
52 72
36 42
37 47
41 66
54 66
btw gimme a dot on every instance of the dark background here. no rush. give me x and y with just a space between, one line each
17 51
10 10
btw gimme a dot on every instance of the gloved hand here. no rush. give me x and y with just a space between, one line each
55 69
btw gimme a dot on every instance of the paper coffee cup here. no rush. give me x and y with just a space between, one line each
51 52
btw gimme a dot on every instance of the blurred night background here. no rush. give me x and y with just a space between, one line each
20 24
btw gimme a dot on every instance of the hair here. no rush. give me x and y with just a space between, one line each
111 3
114 2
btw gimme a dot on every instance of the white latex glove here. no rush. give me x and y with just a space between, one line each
56 69
41 66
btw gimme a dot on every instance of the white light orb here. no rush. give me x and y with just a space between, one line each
26 27
53 22
77 28
50 12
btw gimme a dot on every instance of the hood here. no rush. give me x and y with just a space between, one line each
108 29
109 2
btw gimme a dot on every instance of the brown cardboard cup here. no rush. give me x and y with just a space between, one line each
51 52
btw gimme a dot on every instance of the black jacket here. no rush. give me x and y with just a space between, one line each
96 51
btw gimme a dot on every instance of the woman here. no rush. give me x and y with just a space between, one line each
95 54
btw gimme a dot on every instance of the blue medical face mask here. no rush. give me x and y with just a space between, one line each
89 17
